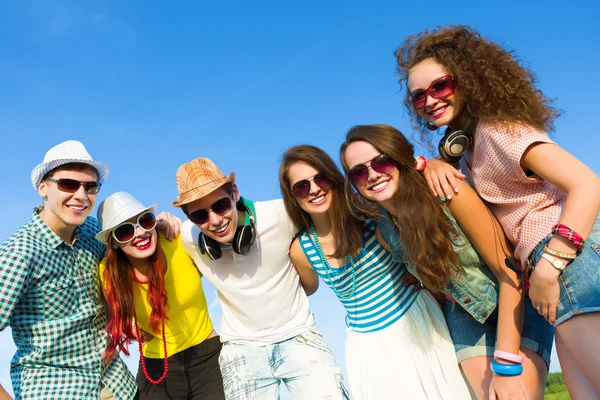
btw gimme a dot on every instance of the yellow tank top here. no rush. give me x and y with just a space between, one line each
188 322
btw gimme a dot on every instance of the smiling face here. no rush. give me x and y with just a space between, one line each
440 112
318 199
64 211
142 246
379 187
219 227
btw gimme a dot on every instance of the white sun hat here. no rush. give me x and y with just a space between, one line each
116 209
67 152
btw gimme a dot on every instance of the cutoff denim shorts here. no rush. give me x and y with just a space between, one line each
473 339
580 280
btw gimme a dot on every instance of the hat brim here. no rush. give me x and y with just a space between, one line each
42 169
103 235
201 191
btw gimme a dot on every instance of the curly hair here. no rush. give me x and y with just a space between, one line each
494 83
426 233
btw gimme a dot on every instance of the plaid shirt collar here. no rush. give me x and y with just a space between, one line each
48 234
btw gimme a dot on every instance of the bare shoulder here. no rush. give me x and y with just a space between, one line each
297 254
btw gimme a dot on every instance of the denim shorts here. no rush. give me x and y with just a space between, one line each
580 280
473 339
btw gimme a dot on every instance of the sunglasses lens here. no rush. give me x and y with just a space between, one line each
199 217
419 99
92 187
382 164
323 182
359 175
124 233
68 185
301 188
442 88
147 221
222 206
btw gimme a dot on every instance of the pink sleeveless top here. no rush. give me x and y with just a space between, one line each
526 207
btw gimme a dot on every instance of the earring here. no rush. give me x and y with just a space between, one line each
431 126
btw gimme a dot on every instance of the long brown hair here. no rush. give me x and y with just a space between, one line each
118 292
347 230
426 231
494 84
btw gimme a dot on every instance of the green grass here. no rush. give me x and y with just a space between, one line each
555 387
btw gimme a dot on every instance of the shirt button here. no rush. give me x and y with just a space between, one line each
484 314
467 300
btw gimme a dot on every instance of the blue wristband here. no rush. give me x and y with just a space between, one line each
506 369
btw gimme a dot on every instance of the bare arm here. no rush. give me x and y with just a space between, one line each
582 186
308 277
4 395
443 178
487 236
169 224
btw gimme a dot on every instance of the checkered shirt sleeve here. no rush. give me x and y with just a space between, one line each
50 297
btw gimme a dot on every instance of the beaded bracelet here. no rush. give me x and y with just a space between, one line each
570 235
505 355
506 369
562 254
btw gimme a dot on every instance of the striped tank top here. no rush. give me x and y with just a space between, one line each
379 297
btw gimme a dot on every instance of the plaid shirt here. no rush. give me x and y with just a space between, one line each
50 296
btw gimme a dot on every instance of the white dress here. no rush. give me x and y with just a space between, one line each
412 359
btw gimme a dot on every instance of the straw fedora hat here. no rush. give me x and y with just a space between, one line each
67 152
198 178
116 209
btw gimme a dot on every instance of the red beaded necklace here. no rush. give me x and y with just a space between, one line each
139 336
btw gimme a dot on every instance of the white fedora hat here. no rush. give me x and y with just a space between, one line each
67 152
116 209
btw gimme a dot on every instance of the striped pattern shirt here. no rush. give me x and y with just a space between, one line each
380 298
50 297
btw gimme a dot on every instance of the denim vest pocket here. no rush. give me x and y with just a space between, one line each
476 289
476 293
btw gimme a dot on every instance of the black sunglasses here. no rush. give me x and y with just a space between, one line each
71 185
219 207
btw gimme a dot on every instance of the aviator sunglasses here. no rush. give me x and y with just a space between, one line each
301 189
359 174
126 231
439 89
219 207
71 185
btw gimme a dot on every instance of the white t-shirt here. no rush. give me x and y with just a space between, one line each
261 296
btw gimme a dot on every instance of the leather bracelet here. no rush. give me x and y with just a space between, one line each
506 369
556 253
505 355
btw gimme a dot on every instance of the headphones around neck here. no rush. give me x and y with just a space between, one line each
243 239
456 142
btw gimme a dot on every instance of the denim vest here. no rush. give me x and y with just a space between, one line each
476 290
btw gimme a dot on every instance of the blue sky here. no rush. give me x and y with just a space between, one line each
149 85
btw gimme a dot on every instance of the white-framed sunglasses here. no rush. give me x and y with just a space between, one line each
125 232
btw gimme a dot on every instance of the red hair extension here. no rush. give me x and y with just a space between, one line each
118 293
